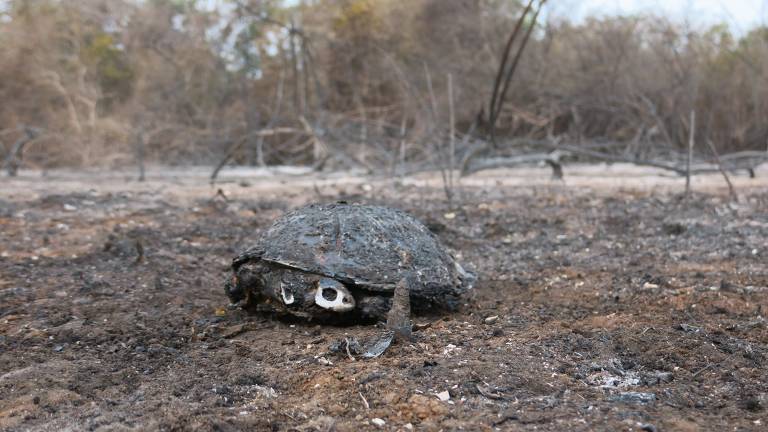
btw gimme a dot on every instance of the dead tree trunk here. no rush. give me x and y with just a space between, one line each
511 72
15 156
503 64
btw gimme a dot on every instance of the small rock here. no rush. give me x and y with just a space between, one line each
728 286
58 348
450 349
423 407
444 396
753 404
69 207
656 377
408 426
491 319
378 422
635 397
322 423
421 326
649 285
324 361
674 228
373 376
265 392
390 398
648 428
450 216
688 328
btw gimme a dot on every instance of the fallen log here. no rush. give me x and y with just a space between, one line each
552 159
747 161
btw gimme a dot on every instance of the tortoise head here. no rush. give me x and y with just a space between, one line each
297 289
333 295
288 288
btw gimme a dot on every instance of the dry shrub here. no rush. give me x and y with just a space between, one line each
94 74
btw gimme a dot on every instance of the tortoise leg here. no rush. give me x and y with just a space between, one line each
398 327
399 316
398 322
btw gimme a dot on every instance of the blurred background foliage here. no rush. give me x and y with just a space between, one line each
362 80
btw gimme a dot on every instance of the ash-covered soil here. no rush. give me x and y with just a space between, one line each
616 307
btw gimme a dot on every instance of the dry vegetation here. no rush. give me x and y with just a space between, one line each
362 83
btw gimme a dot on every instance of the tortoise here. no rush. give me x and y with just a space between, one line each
345 262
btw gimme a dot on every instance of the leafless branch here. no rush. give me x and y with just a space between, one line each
494 115
731 189
505 57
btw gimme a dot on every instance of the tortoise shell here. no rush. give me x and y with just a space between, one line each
362 246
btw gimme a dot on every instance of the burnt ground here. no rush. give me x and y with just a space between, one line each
616 307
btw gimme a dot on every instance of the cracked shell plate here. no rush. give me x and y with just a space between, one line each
371 247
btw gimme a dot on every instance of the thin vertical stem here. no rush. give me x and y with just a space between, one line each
140 154
452 132
402 145
691 140
432 99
